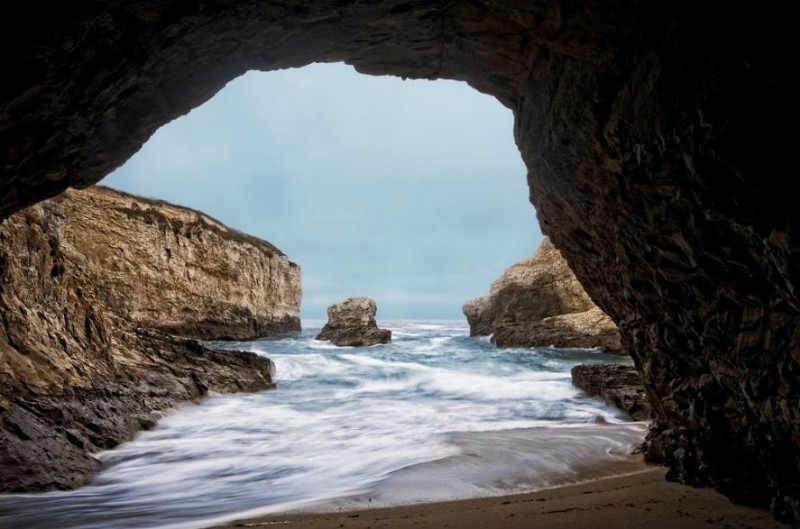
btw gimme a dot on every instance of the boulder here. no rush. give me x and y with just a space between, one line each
352 323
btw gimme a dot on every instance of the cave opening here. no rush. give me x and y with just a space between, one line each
410 192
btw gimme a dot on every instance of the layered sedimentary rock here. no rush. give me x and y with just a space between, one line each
172 268
539 302
653 134
80 371
617 384
352 323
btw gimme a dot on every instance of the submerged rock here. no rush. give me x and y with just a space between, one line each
352 323
617 384
539 302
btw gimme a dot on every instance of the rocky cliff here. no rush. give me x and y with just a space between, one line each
539 302
81 367
175 269
654 134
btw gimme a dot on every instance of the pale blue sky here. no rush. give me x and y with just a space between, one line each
409 192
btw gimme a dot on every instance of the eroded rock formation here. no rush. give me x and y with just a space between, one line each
80 369
352 323
172 268
539 302
650 131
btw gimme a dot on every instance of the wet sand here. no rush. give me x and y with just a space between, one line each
643 499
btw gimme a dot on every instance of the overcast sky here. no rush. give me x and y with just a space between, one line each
409 192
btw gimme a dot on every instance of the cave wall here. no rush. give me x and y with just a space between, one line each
668 199
657 164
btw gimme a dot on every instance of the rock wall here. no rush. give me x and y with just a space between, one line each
539 302
171 268
654 136
663 189
78 371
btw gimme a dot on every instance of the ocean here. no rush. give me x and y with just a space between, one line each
435 415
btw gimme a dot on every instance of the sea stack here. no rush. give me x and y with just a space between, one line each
538 302
352 323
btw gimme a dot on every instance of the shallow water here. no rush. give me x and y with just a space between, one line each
435 415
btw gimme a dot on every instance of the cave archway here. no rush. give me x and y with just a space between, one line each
649 134
412 192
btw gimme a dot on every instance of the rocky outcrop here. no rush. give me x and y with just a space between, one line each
175 269
352 323
618 384
539 302
48 433
652 132
80 369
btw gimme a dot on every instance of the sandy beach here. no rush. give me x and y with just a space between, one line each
642 499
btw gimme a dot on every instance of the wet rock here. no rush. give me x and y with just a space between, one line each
352 323
618 384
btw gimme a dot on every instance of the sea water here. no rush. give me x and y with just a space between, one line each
435 415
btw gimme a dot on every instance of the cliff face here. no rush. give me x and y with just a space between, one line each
653 132
539 302
80 371
178 270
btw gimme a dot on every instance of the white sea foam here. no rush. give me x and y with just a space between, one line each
432 416
319 344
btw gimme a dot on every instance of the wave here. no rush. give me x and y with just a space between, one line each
391 422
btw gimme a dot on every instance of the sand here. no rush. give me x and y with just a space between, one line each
643 499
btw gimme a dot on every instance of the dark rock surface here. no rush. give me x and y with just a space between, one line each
352 323
76 375
654 135
538 302
617 384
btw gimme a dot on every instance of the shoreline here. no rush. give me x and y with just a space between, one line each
640 499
